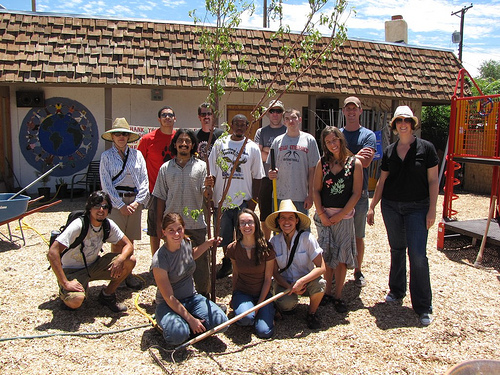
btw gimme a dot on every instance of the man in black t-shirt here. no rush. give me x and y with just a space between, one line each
206 117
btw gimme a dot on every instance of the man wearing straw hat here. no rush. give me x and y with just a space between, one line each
299 259
125 178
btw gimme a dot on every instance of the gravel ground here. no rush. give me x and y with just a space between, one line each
372 338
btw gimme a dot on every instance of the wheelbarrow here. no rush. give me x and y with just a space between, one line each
13 206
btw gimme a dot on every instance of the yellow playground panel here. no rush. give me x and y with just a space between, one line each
476 127
474 137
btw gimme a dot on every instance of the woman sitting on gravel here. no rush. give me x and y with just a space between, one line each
299 261
252 258
180 310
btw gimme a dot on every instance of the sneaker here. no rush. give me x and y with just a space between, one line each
133 282
339 306
313 321
110 301
390 297
426 319
359 279
326 300
225 270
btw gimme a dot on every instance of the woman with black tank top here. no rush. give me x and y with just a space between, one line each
338 182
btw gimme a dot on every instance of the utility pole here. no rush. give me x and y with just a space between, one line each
33 5
264 15
462 16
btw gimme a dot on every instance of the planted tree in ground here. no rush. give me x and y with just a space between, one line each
226 61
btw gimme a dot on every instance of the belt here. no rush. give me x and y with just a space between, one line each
127 194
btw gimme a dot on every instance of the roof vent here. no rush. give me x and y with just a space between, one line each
396 30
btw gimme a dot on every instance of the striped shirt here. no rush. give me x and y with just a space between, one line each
182 188
112 164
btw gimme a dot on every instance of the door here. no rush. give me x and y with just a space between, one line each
233 110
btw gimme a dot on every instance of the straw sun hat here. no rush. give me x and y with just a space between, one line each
403 111
120 125
287 206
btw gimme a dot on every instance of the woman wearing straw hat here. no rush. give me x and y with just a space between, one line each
408 187
299 261
124 177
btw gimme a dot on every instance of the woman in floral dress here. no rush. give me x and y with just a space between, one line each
338 180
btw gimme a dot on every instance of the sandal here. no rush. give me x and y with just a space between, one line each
326 300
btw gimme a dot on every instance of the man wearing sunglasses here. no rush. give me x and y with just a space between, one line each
76 266
264 137
155 147
206 117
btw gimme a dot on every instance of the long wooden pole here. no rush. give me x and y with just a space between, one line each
231 321
479 258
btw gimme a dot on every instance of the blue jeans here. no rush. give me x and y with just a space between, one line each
176 330
228 223
263 320
405 223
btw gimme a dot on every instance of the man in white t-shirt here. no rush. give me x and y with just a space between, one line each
245 184
79 265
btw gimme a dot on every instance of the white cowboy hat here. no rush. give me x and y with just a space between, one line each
120 125
287 206
403 111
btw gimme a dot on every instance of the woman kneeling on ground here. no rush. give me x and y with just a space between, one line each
252 258
299 261
180 310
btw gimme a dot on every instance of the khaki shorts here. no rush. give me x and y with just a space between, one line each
289 301
130 225
99 270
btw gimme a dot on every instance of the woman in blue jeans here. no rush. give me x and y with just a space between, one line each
252 258
408 187
180 310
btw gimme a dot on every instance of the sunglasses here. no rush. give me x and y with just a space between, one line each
276 110
165 115
407 120
205 114
99 206
121 134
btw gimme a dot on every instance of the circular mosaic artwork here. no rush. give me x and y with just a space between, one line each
63 131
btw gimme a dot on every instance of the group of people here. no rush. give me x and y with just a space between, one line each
180 176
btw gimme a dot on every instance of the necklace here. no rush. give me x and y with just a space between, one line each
96 231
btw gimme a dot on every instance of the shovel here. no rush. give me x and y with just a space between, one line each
60 165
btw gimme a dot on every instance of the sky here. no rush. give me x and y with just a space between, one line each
430 23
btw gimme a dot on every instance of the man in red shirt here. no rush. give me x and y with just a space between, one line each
155 149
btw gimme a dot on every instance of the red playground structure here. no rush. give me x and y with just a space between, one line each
474 137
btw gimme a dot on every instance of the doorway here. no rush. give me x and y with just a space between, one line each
233 110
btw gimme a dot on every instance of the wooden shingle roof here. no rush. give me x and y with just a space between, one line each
57 49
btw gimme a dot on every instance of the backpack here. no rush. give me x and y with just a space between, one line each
79 214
